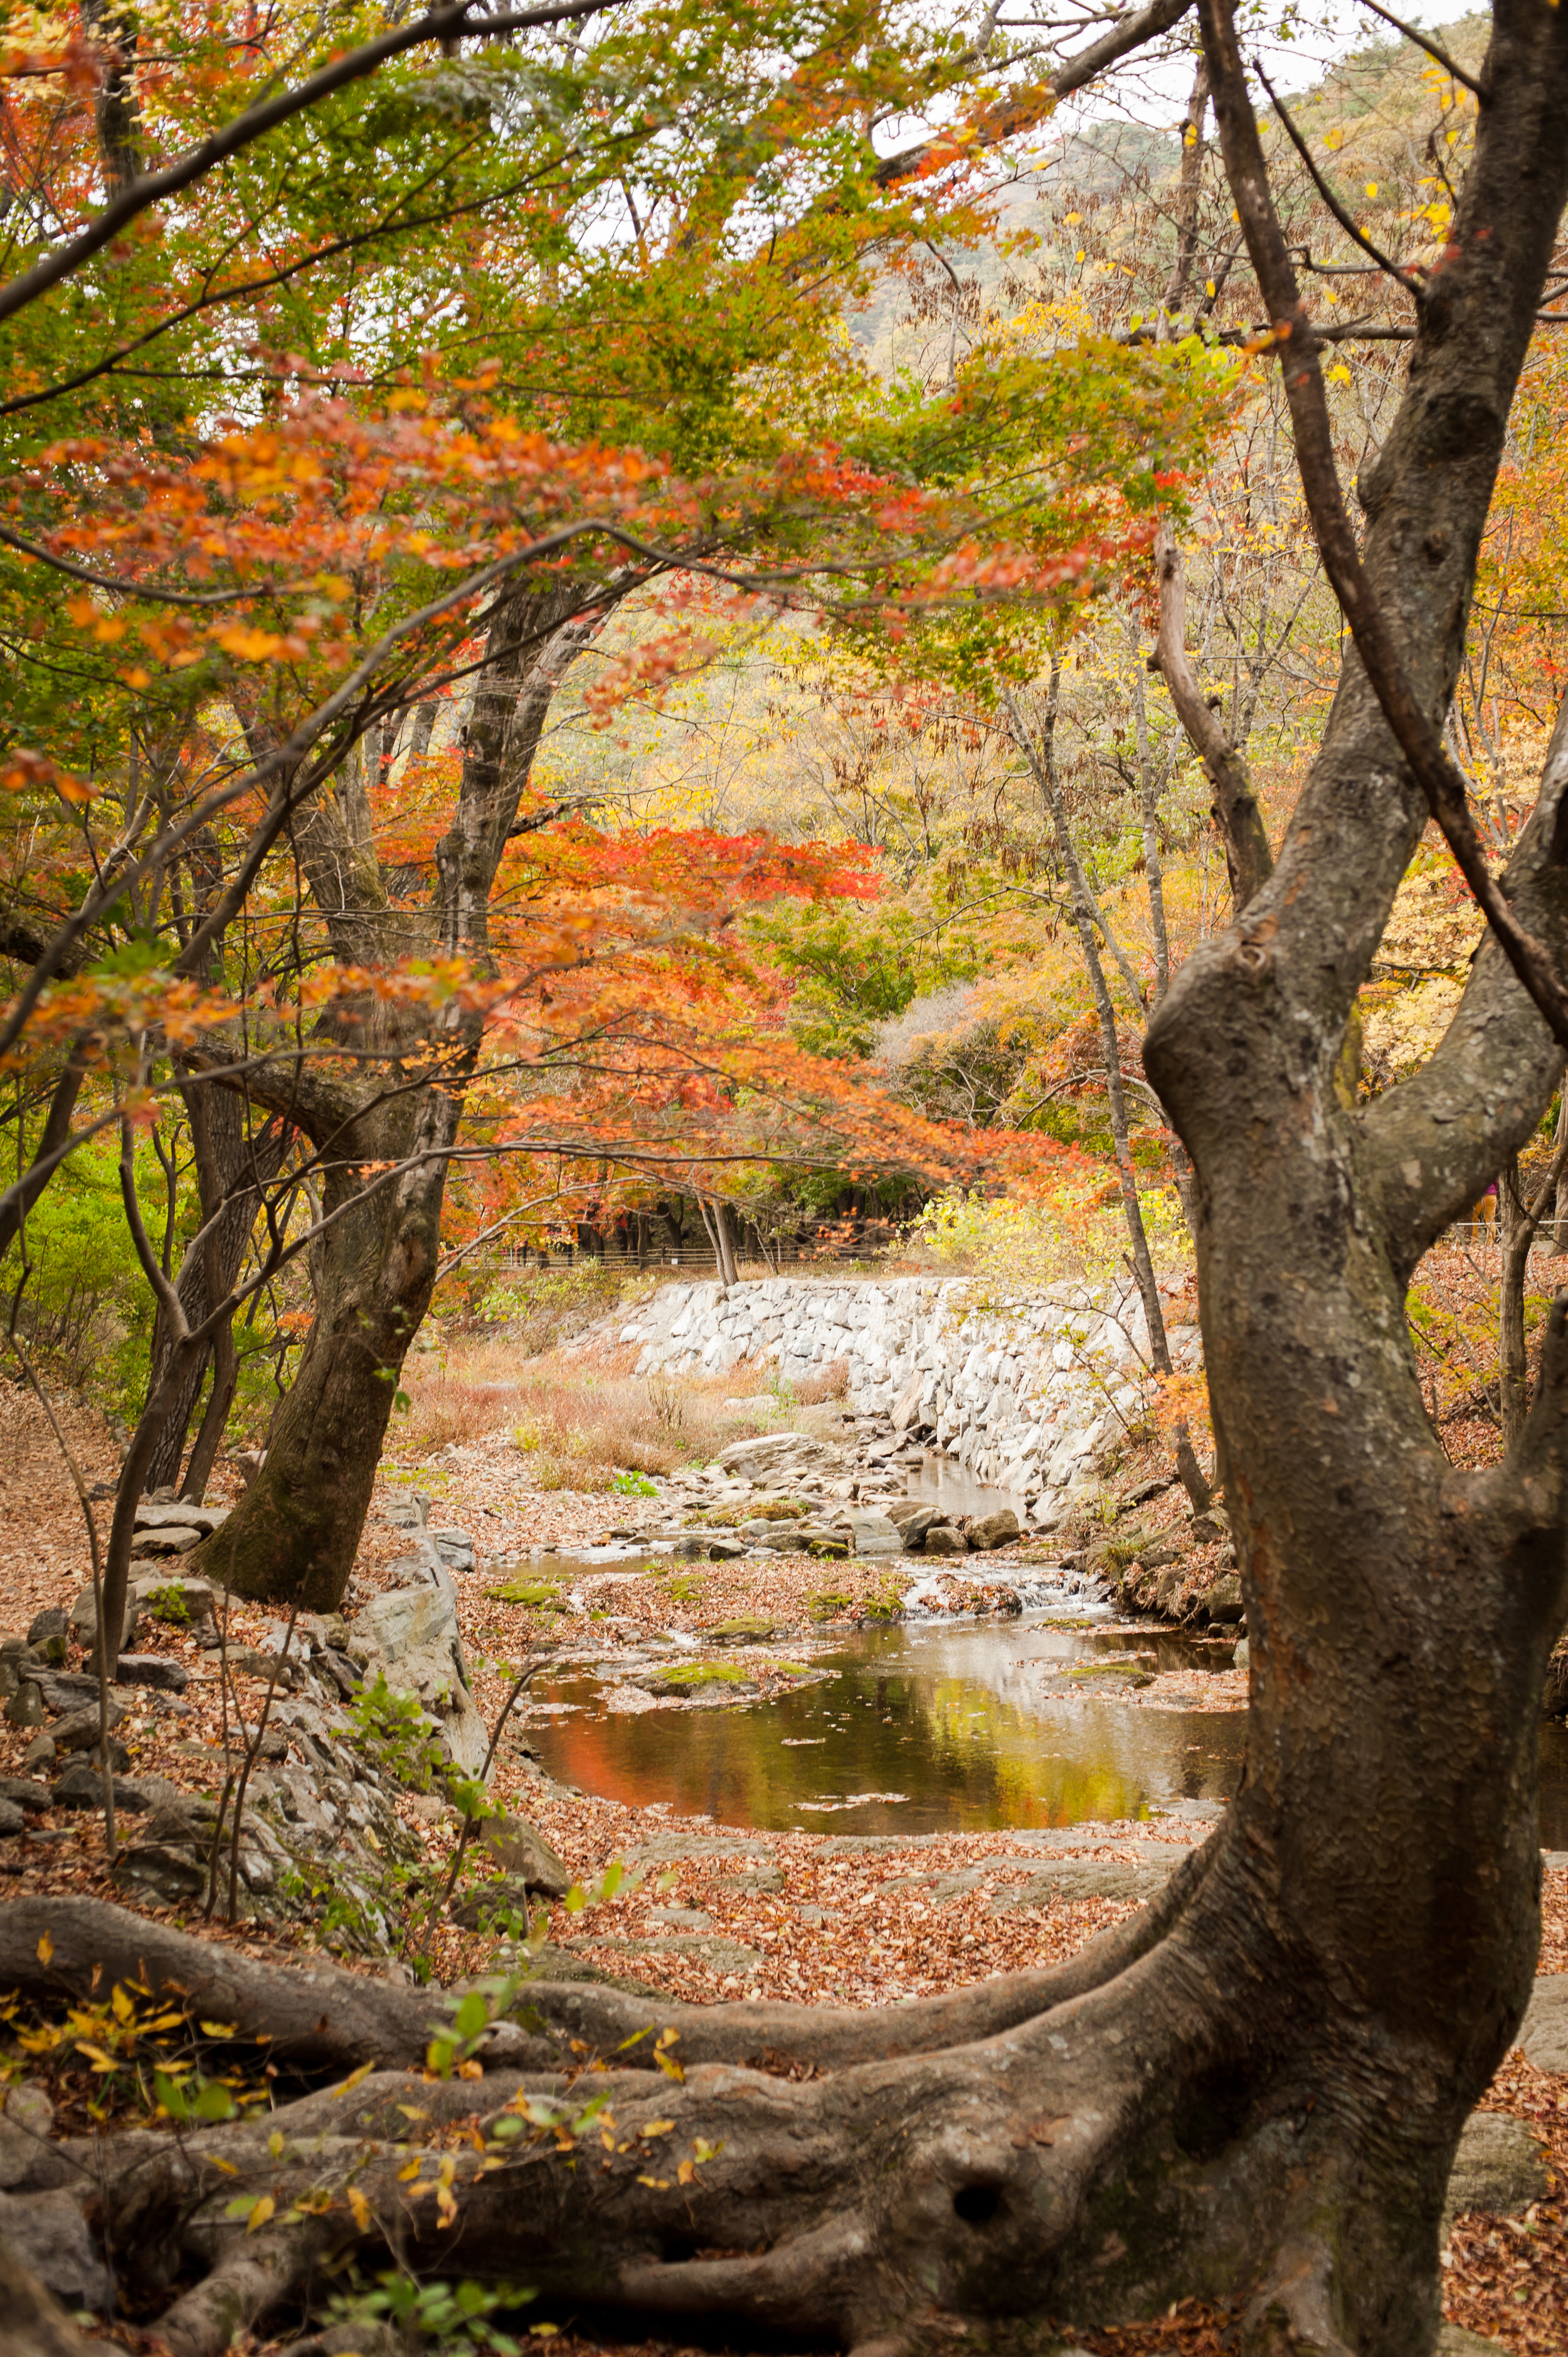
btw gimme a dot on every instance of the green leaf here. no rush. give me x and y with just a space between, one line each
471 2017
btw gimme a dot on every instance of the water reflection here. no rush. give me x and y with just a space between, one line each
951 1720
920 1728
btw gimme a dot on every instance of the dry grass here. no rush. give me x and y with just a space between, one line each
581 1419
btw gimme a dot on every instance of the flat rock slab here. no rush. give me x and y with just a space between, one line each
693 1846
1453 2340
1086 1877
1543 2034
1500 2168
720 1956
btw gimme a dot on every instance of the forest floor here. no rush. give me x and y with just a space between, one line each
723 1912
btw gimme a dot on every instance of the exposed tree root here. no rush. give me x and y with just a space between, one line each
1122 2145
320 2019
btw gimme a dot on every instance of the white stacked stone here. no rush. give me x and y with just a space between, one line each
1025 1394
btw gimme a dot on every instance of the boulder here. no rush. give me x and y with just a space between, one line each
81 1787
996 1529
748 1629
942 1538
255 1661
171 1538
521 1850
455 1548
411 1637
504 1894
1223 1600
48 2234
80 1731
166 1872
179 1514
39 1753
1500 2168
154 1670
906 1417
26 1707
873 1532
177 1599
11 1819
26 2115
84 1618
48 1629
25 1790
1543 2034
775 1457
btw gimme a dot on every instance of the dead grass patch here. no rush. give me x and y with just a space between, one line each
580 1419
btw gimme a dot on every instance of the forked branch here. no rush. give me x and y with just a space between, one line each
1236 811
1419 740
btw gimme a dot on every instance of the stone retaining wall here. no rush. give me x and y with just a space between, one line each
1027 1394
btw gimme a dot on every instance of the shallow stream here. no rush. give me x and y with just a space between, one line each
927 1726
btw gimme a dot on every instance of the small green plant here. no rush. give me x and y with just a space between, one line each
702 1674
439 2313
540 1595
203 2101
635 1485
884 1603
168 1604
394 1734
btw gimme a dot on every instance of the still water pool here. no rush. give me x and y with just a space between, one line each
926 1726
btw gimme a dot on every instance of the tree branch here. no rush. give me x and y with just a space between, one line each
444 25
1479 89
1236 812
1020 113
1345 221
1418 739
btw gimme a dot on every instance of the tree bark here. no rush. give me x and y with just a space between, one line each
293 1537
230 1167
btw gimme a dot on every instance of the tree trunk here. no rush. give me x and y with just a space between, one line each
1043 762
230 1167
1516 1233
293 1537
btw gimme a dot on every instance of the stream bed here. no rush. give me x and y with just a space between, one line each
928 1727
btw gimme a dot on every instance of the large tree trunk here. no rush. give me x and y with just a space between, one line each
293 1536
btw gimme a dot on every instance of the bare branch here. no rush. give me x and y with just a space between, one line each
1421 743
1236 811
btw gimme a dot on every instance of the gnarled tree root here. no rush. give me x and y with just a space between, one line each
320 2019
1130 2143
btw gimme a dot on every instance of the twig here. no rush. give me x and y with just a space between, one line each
1345 221
252 1751
530 1669
1435 49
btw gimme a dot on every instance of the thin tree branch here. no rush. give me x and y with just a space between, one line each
1478 90
444 25
1236 812
1410 285
1420 741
